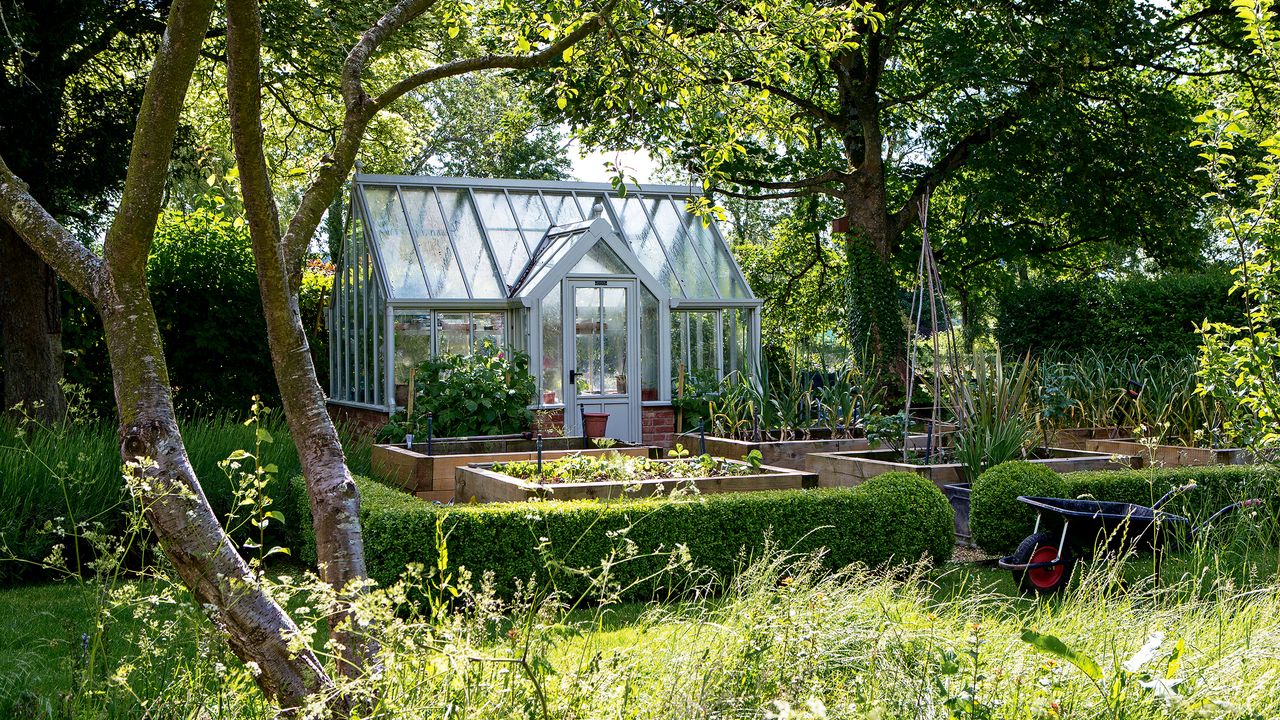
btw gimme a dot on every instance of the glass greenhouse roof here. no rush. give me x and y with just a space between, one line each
458 239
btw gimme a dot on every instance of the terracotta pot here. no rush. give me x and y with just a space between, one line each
549 397
594 424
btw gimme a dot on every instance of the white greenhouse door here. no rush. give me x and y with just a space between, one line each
601 318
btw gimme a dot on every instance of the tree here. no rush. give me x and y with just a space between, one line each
71 82
1240 362
876 105
160 474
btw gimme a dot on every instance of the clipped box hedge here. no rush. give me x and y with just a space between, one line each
894 517
1217 486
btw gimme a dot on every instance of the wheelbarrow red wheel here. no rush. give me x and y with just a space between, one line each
1038 548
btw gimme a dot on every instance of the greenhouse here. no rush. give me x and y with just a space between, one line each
618 299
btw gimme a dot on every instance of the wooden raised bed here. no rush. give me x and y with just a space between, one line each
1122 442
432 477
790 453
853 468
480 484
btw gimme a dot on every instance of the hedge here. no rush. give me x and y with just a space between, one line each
996 518
895 517
1217 486
1135 315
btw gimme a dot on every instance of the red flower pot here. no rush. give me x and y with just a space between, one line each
594 424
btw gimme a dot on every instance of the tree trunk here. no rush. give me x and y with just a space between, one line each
334 498
162 479
31 322
877 324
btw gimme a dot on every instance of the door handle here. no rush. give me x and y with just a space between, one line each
573 376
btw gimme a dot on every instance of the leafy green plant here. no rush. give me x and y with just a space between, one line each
487 392
994 410
619 468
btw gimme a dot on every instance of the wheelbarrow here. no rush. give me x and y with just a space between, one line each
1043 562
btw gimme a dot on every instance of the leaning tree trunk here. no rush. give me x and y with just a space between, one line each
159 471
165 485
331 489
31 323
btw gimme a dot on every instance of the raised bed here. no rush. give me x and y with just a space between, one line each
853 468
790 453
432 477
1120 441
479 483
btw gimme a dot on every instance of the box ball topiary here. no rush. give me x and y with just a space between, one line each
916 518
996 518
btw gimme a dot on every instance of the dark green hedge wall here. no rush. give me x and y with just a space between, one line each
1136 315
897 516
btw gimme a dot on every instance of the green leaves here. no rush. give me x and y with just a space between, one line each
1053 646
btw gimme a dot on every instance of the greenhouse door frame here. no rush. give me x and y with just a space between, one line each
620 406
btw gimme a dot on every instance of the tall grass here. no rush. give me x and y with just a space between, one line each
58 478
783 640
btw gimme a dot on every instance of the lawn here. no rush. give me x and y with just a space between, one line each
774 639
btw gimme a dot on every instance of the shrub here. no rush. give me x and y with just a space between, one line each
1216 486
487 392
1137 315
996 518
894 518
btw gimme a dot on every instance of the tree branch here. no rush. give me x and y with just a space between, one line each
128 240
46 236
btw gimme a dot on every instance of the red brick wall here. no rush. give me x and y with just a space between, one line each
548 422
361 421
657 425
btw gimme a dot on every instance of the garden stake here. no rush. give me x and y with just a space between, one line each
702 437
582 420
538 445
430 430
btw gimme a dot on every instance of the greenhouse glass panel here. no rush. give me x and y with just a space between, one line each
734 340
504 236
600 260
552 348
635 228
649 361
403 271
556 249
703 343
491 326
531 215
670 229
477 265
444 276
413 342
719 262
453 333
564 209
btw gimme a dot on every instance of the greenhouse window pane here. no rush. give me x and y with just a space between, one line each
531 215
491 327
635 228
453 333
391 232
504 237
558 247
600 260
667 222
552 348
564 209
716 255
460 219
444 277
413 345
648 345
702 344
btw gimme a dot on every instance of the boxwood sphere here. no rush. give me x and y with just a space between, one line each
996 518
916 517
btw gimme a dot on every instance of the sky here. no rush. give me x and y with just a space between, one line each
590 167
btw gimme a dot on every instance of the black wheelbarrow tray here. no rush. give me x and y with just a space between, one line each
1066 529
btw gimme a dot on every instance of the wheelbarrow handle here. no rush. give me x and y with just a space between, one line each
1174 493
1253 502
